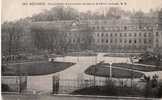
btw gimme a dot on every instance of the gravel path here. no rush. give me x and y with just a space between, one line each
44 82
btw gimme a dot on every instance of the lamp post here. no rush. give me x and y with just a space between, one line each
131 60
110 70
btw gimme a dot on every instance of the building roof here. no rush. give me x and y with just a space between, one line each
69 24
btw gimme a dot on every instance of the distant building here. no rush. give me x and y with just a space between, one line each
113 35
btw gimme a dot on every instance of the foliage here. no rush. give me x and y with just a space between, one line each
11 34
151 58
109 90
15 34
152 87
35 68
56 13
104 71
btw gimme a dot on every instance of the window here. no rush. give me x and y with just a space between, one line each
130 41
157 34
125 41
145 41
149 40
116 40
102 40
98 40
144 34
102 28
120 34
157 40
150 34
78 40
98 34
125 34
125 28
130 34
135 34
139 40
135 41
107 41
111 41
111 34
93 28
102 34
118 28
98 27
73 40
115 34
120 40
107 34
139 34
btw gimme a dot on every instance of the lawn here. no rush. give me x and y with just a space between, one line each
101 70
137 67
112 90
109 91
150 63
81 54
35 68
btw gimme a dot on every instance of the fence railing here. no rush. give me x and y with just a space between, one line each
67 86
14 83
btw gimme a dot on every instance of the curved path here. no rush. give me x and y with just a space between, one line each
43 83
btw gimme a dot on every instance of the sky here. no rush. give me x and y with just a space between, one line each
14 9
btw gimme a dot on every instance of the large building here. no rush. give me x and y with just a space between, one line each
113 35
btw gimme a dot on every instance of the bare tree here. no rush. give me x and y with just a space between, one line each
56 13
86 35
11 35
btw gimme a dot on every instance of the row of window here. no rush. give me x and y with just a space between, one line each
145 41
127 46
123 34
100 34
122 28
74 40
123 41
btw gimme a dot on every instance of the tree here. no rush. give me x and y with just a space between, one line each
151 87
86 34
48 38
44 38
11 35
160 18
114 12
157 60
56 13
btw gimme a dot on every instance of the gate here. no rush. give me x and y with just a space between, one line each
55 85
14 83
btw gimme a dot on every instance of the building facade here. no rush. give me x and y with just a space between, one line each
113 35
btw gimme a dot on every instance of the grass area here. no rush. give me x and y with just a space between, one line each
81 54
110 91
136 67
35 68
101 70
150 63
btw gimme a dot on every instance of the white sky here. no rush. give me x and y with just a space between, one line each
13 9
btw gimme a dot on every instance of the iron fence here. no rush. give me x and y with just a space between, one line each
14 83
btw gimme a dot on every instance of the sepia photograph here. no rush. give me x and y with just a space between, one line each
81 50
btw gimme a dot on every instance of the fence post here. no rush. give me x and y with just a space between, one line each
55 84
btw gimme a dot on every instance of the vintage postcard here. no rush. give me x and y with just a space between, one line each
81 49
